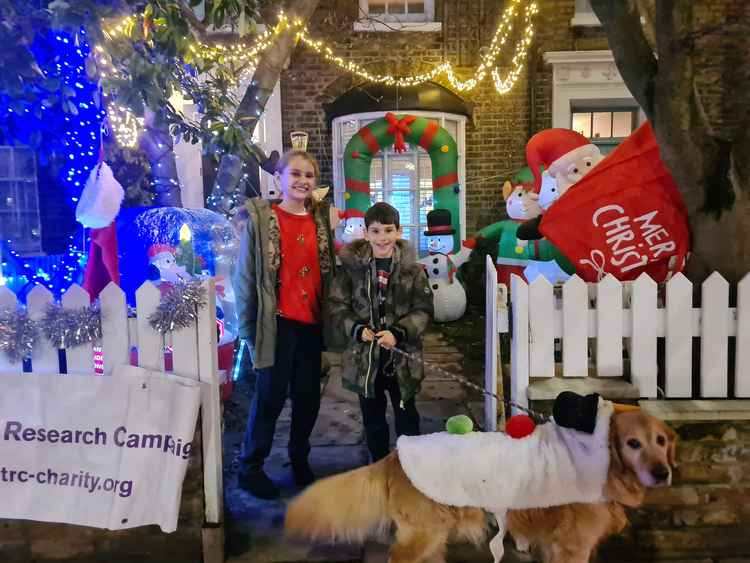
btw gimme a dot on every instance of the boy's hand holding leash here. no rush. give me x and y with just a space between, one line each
384 338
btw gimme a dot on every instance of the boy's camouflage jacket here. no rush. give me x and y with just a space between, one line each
408 307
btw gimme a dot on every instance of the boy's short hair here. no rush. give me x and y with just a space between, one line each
382 213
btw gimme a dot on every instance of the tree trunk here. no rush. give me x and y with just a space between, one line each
224 197
709 158
157 144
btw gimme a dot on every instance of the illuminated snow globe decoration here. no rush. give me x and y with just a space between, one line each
167 245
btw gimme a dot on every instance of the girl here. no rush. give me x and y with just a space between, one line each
285 264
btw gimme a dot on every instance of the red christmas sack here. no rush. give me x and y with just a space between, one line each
625 217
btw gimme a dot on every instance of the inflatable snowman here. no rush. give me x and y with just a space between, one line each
449 296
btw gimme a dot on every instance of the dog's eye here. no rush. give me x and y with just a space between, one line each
635 444
661 440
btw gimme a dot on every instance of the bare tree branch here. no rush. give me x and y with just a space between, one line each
633 55
197 26
647 11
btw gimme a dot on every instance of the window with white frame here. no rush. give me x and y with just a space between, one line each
397 15
589 95
402 179
606 126
19 200
584 15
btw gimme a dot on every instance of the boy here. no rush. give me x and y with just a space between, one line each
382 300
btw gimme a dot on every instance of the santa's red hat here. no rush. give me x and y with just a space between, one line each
156 249
350 214
555 149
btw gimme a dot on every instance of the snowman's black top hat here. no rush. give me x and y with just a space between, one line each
439 223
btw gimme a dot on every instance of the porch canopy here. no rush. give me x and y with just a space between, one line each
368 97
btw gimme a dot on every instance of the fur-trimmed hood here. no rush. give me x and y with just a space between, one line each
357 255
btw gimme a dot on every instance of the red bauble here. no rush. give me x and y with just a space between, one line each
519 426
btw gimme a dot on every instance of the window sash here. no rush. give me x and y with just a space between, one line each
19 200
403 16
588 116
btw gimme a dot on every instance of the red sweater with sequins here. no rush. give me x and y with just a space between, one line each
299 274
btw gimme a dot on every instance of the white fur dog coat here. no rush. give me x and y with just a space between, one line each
552 466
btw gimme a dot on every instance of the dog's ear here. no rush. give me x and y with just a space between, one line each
671 446
615 459
622 484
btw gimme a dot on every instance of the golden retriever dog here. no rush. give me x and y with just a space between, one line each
364 502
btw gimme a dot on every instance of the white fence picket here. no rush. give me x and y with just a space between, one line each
150 342
185 352
45 358
211 407
519 360
609 327
81 358
575 327
714 337
742 361
679 337
8 301
541 329
491 344
115 341
643 366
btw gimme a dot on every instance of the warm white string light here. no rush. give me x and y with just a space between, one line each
126 126
519 58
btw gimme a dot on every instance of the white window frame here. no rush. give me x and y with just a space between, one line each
584 16
585 78
339 187
397 22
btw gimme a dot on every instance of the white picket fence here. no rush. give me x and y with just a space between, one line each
620 316
194 355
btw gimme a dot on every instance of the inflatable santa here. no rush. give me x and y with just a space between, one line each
566 155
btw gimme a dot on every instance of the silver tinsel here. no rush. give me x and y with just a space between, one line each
18 333
179 307
68 328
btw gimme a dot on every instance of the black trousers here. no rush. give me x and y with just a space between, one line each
295 374
374 420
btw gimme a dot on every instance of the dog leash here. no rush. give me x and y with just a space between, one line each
539 418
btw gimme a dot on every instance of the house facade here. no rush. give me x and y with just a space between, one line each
570 80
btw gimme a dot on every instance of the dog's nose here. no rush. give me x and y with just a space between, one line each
660 473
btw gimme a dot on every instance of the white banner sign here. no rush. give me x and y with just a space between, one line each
109 452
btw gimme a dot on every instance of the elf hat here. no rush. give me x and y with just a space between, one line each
555 149
155 249
439 223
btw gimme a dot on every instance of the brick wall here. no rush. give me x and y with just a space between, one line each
706 512
25 541
495 140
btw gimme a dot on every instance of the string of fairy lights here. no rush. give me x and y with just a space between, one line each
126 126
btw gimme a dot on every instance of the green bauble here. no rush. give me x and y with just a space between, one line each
459 424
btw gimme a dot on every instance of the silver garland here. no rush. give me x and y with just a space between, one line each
18 333
179 307
68 328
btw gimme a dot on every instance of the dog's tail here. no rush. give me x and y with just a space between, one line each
343 508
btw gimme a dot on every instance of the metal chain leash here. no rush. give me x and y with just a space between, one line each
538 417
